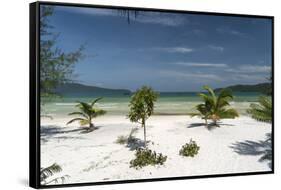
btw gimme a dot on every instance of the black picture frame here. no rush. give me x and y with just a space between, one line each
34 94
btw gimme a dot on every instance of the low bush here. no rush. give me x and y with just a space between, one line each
122 139
146 157
189 149
127 139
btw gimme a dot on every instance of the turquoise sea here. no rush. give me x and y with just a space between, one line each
169 103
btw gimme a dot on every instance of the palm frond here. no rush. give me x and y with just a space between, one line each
84 122
57 180
211 92
49 171
228 113
261 111
85 107
78 113
95 101
98 112
75 119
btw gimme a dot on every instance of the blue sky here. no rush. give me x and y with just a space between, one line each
169 52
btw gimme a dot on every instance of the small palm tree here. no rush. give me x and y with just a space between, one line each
87 113
49 171
261 111
142 106
215 107
203 112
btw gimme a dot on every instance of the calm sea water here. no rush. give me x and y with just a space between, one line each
167 103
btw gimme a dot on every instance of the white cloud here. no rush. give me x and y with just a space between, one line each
199 64
216 48
182 75
250 69
225 30
174 49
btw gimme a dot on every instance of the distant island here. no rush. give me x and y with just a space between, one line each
81 90
260 88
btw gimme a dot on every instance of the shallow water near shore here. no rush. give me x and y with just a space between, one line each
179 103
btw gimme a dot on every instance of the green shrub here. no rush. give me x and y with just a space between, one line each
122 139
146 157
189 149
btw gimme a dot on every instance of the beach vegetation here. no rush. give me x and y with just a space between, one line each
215 106
189 149
46 173
56 65
145 157
87 112
203 111
122 139
261 111
142 106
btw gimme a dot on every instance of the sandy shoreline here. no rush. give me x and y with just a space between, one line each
235 147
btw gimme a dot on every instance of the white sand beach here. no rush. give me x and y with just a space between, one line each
235 147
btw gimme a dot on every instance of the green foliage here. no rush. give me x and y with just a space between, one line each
127 139
122 139
142 106
215 106
49 171
189 149
87 112
146 157
56 66
261 111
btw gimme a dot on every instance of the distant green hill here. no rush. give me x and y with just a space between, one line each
261 88
81 90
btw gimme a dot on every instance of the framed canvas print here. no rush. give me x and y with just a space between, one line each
120 94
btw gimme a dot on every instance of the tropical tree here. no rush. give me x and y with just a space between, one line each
142 106
87 112
215 106
56 65
203 111
261 111
49 171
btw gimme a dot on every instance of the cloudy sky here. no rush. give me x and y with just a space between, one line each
169 52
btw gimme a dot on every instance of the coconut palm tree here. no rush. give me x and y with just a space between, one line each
87 112
261 111
203 112
216 106
142 106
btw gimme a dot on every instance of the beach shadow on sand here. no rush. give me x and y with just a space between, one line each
50 131
254 148
135 143
210 126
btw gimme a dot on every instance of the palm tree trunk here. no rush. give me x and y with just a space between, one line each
91 125
215 123
206 122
